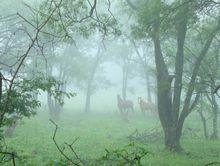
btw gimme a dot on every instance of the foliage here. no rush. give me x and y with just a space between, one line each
80 17
129 155
22 100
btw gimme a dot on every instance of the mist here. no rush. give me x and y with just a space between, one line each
127 82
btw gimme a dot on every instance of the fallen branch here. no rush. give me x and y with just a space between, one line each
12 154
147 136
212 163
61 150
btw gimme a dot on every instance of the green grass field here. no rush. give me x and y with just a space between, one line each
99 131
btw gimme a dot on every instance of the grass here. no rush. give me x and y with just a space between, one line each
97 132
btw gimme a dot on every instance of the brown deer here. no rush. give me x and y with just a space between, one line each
124 105
146 106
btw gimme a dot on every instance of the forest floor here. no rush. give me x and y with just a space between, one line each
33 139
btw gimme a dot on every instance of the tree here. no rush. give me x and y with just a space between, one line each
146 68
156 19
209 75
90 81
122 54
17 88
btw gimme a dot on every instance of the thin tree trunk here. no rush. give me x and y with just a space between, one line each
1 89
50 104
215 118
146 74
204 124
181 35
90 80
148 87
213 97
53 106
88 97
187 102
125 82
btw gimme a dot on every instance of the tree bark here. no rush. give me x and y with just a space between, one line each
215 118
90 80
204 124
164 96
88 96
1 85
125 82
54 106
148 87
181 35
172 139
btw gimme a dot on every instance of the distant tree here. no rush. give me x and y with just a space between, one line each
18 89
96 62
122 54
209 74
93 75
50 23
147 69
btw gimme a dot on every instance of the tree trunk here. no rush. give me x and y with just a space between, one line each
125 82
143 61
213 97
53 105
168 105
204 124
172 139
172 136
88 96
54 108
215 118
149 98
90 80
1 89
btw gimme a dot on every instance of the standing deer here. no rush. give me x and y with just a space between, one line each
124 105
147 106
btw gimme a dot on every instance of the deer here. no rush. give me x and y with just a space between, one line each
146 106
125 106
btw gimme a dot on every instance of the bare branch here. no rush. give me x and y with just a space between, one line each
61 150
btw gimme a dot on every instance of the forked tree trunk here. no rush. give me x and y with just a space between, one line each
171 118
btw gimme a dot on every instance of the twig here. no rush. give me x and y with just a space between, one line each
62 150
212 163
12 154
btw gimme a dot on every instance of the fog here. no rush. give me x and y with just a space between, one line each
126 82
